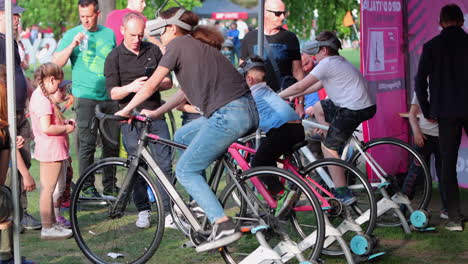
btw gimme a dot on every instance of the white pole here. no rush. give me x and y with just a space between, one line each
260 41
10 65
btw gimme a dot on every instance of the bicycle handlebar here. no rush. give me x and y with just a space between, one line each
102 117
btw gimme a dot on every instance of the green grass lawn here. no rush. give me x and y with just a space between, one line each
432 247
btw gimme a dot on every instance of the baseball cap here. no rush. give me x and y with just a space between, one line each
15 9
63 83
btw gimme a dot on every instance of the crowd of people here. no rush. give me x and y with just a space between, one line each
121 68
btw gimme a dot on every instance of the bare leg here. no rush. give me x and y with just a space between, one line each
49 172
337 173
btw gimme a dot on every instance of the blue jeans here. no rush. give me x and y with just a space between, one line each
207 139
160 152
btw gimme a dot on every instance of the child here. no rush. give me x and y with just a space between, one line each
426 139
50 135
350 101
281 124
58 197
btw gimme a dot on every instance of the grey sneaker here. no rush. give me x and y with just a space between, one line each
454 226
30 223
222 234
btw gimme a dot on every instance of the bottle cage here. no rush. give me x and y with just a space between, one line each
158 26
313 47
249 64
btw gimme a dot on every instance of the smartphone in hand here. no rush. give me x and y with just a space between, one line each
149 71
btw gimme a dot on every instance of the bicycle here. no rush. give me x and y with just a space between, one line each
393 207
104 226
341 225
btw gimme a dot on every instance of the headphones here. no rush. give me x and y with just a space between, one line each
249 64
313 47
157 27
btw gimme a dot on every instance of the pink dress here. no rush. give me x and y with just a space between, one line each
47 148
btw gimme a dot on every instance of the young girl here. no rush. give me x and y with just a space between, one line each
50 135
211 84
58 197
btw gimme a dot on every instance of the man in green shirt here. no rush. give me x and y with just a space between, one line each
87 47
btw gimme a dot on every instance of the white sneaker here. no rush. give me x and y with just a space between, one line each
169 222
55 232
143 220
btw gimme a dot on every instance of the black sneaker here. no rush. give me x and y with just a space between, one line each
223 234
30 223
90 192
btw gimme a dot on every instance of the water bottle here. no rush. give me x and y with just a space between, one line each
84 42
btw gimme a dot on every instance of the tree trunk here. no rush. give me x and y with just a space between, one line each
106 7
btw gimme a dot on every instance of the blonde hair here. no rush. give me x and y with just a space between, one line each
48 70
3 102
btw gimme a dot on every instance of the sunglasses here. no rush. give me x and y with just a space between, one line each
278 13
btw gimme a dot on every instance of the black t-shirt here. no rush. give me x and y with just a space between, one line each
20 79
123 67
284 46
207 78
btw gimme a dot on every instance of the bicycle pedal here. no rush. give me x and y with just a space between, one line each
258 228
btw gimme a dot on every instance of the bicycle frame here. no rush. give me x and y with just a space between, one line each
386 203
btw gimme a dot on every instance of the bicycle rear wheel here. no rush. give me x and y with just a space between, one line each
306 210
341 215
106 238
394 157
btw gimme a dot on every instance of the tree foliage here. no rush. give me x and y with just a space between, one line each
58 14
61 15
330 15
153 5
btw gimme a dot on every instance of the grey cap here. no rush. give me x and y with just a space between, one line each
64 82
15 9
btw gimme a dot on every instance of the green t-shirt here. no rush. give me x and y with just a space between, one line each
88 65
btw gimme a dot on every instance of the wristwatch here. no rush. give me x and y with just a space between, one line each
300 102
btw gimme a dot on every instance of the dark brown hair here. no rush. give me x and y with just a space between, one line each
259 72
207 34
85 3
451 13
328 35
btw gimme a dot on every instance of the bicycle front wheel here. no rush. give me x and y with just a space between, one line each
393 158
305 209
106 237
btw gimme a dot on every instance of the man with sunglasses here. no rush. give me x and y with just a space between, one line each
281 52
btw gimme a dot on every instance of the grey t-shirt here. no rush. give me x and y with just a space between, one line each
207 78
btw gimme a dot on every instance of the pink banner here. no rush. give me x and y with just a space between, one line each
423 25
383 65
